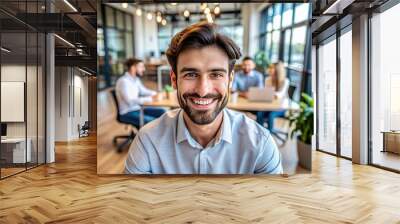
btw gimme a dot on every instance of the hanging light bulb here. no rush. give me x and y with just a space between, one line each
207 11
203 6
149 16
217 10
158 18
164 22
138 12
124 5
174 3
209 18
186 13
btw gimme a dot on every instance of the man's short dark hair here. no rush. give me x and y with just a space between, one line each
131 62
198 36
247 58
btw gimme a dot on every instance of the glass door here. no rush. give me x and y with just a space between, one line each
385 89
326 105
346 93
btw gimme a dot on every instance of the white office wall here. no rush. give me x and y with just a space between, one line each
151 37
71 102
14 73
61 98
146 36
138 36
34 125
251 22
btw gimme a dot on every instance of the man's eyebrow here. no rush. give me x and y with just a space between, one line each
187 69
218 70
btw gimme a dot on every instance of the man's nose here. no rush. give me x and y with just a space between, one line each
203 86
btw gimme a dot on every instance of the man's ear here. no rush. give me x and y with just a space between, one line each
173 79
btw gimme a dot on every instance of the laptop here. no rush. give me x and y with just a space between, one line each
257 94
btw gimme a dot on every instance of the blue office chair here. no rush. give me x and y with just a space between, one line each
281 135
128 138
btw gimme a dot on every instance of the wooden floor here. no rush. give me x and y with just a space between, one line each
70 191
386 159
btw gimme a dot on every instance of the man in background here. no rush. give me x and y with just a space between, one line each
131 93
247 77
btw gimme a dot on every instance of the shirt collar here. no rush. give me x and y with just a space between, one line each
249 75
225 132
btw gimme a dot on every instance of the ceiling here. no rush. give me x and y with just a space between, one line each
168 8
74 22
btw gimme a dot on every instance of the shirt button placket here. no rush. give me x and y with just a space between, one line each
203 163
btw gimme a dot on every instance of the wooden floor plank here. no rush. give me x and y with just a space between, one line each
70 191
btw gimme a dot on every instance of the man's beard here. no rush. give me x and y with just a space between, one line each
203 117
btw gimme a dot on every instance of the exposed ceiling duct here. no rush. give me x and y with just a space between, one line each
73 22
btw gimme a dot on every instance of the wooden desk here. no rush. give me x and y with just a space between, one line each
391 141
242 105
13 150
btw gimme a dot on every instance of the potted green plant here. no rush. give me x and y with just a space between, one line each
303 122
261 61
168 91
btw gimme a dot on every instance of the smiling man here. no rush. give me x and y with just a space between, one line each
203 137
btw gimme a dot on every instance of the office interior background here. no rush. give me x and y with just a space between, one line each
356 81
354 71
277 31
48 82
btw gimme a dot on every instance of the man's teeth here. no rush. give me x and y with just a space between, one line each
202 102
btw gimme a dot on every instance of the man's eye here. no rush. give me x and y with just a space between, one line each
190 75
216 75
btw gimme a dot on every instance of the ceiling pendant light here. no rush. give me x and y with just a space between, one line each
186 13
149 16
158 17
217 10
138 12
203 6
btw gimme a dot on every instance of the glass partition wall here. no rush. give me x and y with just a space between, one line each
326 104
22 77
334 101
385 90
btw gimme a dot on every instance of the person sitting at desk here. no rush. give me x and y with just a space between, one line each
247 77
277 79
203 137
131 93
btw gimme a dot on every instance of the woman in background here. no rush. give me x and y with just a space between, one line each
277 79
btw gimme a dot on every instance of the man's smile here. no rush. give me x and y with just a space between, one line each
202 103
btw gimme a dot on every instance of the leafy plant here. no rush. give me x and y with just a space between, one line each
261 61
168 88
304 120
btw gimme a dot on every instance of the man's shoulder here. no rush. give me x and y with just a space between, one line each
239 73
257 73
121 80
161 126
